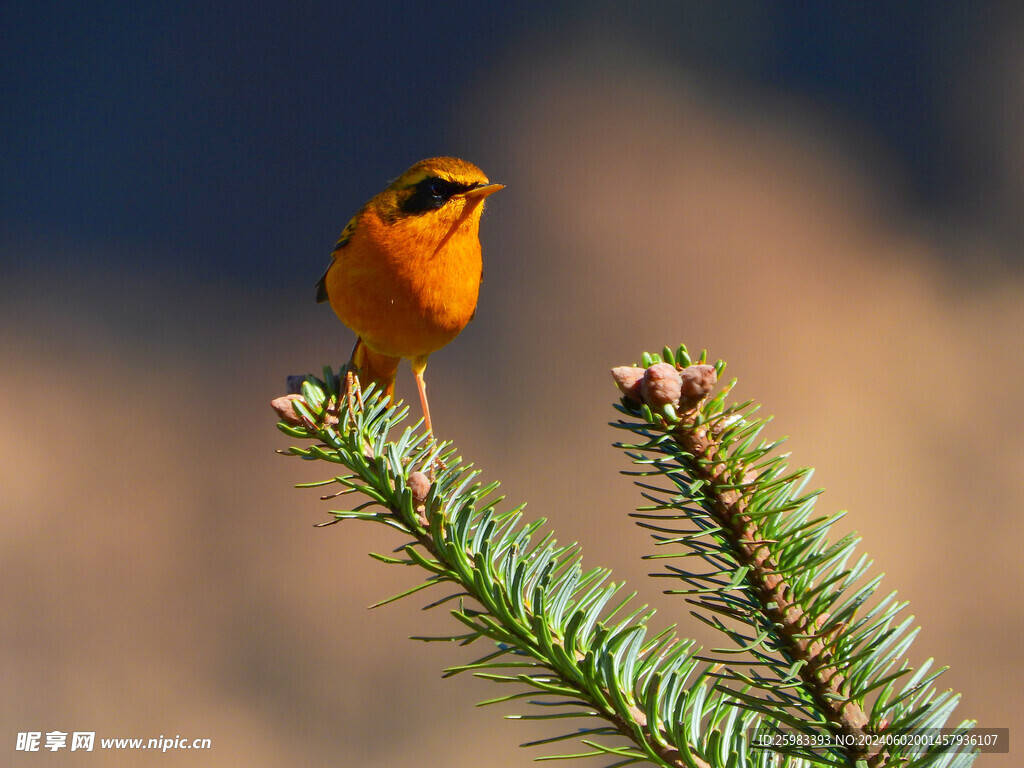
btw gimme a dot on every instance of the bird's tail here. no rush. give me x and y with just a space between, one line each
375 368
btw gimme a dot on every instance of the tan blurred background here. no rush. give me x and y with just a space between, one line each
161 576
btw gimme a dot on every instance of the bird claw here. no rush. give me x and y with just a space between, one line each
437 465
350 390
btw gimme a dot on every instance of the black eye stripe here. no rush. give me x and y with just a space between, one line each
432 193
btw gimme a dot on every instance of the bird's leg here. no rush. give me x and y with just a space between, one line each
353 394
352 387
419 365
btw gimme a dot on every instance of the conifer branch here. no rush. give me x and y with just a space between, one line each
551 621
773 568
811 651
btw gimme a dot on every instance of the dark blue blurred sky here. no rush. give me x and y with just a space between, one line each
240 136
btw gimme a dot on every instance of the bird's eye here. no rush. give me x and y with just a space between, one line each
429 195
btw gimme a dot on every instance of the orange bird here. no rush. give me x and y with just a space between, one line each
405 273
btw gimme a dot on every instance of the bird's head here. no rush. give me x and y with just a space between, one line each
442 189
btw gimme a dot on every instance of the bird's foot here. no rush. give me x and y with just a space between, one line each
437 463
353 394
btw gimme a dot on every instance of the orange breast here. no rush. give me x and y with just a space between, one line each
408 287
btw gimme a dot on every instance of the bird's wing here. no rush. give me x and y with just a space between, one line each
346 235
321 286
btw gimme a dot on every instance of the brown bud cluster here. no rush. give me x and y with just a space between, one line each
627 379
696 381
663 384
419 485
286 411
283 406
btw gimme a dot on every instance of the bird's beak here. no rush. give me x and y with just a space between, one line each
483 191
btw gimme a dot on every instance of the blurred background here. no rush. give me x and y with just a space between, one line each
826 195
